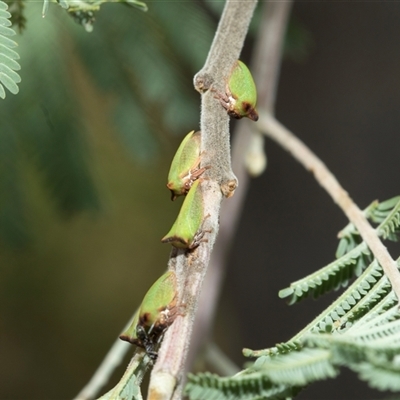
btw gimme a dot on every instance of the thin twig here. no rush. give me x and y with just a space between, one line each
167 378
266 63
276 131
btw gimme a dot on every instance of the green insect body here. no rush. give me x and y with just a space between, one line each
240 98
187 232
185 167
156 313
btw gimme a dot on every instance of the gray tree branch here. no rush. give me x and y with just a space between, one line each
266 64
167 378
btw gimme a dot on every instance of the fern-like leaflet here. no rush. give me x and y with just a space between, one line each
279 377
333 276
8 77
390 226
246 386
353 254
360 330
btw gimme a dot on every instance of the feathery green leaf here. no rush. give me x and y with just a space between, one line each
333 276
381 377
378 211
8 77
242 386
298 367
390 226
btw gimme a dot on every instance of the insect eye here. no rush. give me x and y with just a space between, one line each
141 333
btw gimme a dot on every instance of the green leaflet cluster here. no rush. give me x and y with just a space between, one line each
83 12
279 378
360 330
207 386
348 304
8 64
353 255
370 348
335 275
390 225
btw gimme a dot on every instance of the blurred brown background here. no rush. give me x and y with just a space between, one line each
83 202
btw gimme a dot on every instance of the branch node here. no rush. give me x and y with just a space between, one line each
202 81
228 188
